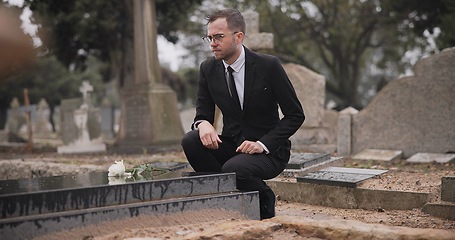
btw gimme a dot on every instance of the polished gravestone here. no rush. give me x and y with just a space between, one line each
339 176
35 207
302 163
304 160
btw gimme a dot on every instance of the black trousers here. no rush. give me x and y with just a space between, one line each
251 169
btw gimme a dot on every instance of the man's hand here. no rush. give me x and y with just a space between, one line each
250 147
208 135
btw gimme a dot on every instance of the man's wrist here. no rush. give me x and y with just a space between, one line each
196 124
266 150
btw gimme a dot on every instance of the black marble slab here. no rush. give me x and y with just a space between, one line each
337 176
304 160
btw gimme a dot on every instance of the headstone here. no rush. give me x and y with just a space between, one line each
68 129
448 188
254 39
81 117
15 117
431 157
344 140
107 120
316 133
150 118
42 127
339 176
414 113
310 89
378 155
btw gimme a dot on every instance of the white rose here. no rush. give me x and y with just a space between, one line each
116 169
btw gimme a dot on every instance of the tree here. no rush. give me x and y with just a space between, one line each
51 80
344 39
104 29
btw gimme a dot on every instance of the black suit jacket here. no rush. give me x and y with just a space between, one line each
267 86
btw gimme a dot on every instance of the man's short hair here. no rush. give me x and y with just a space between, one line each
234 19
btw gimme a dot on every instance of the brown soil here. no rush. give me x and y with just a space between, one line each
401 176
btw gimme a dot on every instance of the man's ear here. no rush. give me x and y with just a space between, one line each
239 37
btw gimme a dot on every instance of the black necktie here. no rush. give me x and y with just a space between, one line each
231 85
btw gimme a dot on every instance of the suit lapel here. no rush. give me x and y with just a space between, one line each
221 74
250 70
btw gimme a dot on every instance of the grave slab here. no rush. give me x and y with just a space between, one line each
72 193
303 160
28 227
303 163
378 155
431 157
343 177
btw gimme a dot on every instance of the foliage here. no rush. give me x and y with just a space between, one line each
145 171
351 42
50 80
80 28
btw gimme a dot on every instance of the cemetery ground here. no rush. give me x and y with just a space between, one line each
402 176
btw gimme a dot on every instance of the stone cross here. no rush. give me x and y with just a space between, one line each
254 39
86 89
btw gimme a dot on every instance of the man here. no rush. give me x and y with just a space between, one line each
254 142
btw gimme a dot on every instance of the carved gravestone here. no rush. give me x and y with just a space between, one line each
15 117
80 120
319 132
107 120
42 127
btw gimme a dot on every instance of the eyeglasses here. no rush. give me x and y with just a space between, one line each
217 38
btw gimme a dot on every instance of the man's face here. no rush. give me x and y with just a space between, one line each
226 47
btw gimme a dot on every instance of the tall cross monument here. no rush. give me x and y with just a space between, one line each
150 119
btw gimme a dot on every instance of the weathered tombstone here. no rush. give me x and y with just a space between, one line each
42 128
68 129
83 121
414 113
254 39
15 118
149 114
318 133
107 120
344 140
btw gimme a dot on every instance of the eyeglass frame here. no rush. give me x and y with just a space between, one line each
216 38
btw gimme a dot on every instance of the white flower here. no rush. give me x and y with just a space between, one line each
116 169
116 180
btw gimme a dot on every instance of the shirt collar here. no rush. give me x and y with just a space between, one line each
238 64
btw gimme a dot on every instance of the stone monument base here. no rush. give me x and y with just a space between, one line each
150 120
82 148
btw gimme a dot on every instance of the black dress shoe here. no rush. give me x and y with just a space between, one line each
267 204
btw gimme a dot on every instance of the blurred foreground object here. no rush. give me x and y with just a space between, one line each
16 48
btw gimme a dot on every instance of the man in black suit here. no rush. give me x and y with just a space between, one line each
248 88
